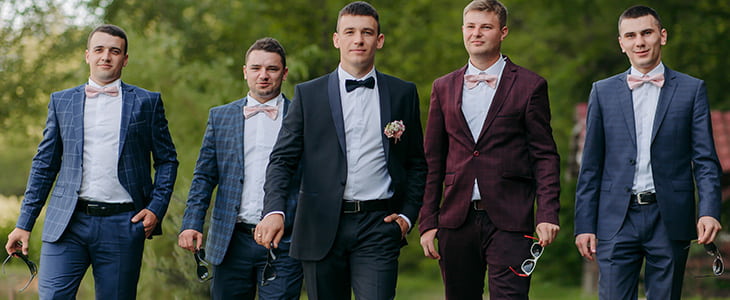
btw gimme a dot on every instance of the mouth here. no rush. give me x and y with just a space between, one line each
477 43
642 52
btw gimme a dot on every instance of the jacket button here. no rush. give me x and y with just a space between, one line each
476 153
632 162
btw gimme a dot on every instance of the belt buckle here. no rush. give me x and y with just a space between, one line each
355 210
639 198
91 208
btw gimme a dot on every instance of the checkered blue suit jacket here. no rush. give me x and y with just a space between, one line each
221 163
143 135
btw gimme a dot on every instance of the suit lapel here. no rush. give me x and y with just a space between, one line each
239 127
626 103
77 108
129 99
333 93
385 110
665 99
456 90
509 76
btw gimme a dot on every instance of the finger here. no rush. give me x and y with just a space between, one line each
278 237
25 246
199 243
391 218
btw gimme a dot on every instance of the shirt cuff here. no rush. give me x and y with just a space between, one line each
407 221
276 212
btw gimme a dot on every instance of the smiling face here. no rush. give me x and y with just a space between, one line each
106 58
357 38
264 72
641 39
483 34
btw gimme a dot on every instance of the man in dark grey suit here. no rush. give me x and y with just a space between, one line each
98 140
235 151
648 144
357 134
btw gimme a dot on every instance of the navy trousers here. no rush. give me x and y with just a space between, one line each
112 245
239 274
364 257
642 238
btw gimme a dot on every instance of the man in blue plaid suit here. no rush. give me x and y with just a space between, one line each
234 155
97 144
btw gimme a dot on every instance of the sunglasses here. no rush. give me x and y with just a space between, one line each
31 266
202 266
269 272
718 267
528 266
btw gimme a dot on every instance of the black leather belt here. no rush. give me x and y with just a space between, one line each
245 228
478 205
644 198
101 209
352 207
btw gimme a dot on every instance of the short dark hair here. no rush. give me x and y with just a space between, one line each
113 30
359 8
490 6
638 11
268 44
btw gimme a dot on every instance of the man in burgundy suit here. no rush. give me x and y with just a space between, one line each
491 154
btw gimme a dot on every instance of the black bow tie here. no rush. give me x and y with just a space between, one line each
351 85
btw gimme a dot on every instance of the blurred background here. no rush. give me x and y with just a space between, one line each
192 51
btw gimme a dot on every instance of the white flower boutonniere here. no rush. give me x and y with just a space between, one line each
394 130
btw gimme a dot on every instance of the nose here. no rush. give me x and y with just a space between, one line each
105 56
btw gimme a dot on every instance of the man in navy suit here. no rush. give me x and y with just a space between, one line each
361 184
648 145
491 156
97 144
235 151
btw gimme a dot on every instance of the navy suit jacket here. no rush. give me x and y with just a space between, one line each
143 134
221 163
313 134
682 156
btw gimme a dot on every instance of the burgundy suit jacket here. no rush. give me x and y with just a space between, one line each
515 159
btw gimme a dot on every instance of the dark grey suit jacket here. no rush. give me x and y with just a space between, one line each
313 134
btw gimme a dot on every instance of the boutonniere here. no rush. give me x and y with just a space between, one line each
394 130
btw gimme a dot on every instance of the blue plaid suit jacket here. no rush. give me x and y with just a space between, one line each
221 163
143 134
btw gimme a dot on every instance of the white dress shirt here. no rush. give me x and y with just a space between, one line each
367 171
259 137
475 103
645 99
102 123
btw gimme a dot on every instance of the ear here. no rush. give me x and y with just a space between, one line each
336 40
663 35
244 71
86 56
381 40
126 60
286 73
505 31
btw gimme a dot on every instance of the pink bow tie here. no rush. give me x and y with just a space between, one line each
270 111
473 80
93 92
636 81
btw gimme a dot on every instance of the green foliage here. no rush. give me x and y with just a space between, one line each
192 51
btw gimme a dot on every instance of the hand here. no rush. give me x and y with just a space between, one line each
547 233
190 239
18 240
402 223
707 229
427 243
586 243
270 230
149 221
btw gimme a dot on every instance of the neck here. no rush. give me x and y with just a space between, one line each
482 62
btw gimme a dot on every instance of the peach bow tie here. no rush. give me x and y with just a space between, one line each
93 92
636 81
270 111
473 80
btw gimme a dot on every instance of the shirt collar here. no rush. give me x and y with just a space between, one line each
117 83
343 75
251 101
494 69
659 69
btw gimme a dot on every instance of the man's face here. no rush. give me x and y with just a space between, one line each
264 72
105 57
483 34
641 39
357 38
